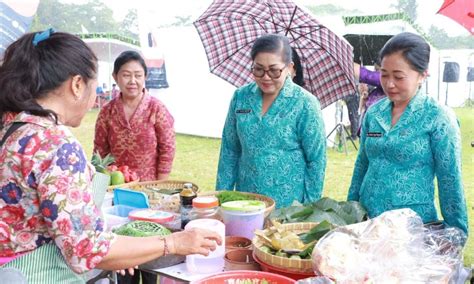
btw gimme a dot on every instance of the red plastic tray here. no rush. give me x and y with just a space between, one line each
254 276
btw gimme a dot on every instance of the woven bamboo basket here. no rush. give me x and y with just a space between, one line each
296 265
111 188
159 200
269 202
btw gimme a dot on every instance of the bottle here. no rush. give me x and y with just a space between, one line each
205 207
214 262
186 196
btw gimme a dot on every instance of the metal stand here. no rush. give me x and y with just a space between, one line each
341 129
343 136
446 100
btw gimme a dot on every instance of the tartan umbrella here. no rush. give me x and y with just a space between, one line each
462 11
229 28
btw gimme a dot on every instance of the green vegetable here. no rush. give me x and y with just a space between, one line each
101 164
326 209
225 196
266 249
142 229
280 253
317 232
295 256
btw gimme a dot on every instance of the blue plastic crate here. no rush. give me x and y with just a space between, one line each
130 198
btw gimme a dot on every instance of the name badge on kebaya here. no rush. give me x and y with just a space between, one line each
374 134
243 111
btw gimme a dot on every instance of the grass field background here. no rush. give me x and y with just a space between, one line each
196 160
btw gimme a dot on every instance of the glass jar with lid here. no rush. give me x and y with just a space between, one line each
205 207
186 196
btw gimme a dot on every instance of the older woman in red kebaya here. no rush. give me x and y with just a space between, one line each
135 127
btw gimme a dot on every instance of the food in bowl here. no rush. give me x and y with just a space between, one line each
142 229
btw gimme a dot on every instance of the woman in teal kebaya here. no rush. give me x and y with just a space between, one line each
273 141
407 139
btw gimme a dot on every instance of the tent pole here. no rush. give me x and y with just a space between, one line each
439 71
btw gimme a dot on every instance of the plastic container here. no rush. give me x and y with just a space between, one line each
243 217
240 276
205 207
151 215
214 262
167 219
186 198
131 198
116 215
108 200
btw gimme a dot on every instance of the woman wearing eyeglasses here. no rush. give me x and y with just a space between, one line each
273 142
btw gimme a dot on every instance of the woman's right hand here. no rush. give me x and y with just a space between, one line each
193 241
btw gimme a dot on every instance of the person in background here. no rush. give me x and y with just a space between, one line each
51 230
375 91
407 140
297 70
99 91
106 93
136 128
115 92
352 104
273 142
363 90
371 78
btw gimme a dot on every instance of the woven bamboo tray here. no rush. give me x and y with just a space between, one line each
296 265
269 202
111 188
159 200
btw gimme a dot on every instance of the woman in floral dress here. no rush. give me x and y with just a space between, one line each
50 228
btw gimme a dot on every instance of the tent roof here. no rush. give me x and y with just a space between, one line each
107 47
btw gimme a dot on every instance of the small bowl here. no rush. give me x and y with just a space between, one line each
240 259
236 242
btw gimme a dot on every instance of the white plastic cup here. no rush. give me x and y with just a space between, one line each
214 262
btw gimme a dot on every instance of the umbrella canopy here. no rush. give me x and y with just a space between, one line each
462 11
228 30
366 47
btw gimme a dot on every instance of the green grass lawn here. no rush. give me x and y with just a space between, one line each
196 160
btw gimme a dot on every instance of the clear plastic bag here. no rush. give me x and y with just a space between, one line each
394 247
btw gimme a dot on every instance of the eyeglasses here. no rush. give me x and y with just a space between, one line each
273 73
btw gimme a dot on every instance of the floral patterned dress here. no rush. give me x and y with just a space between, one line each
145 143
45 183
281 154
396 166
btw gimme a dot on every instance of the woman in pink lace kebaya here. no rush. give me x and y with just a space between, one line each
135 127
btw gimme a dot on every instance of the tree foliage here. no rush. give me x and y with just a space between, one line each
408 7
90 17
129 26
442 40
330 9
